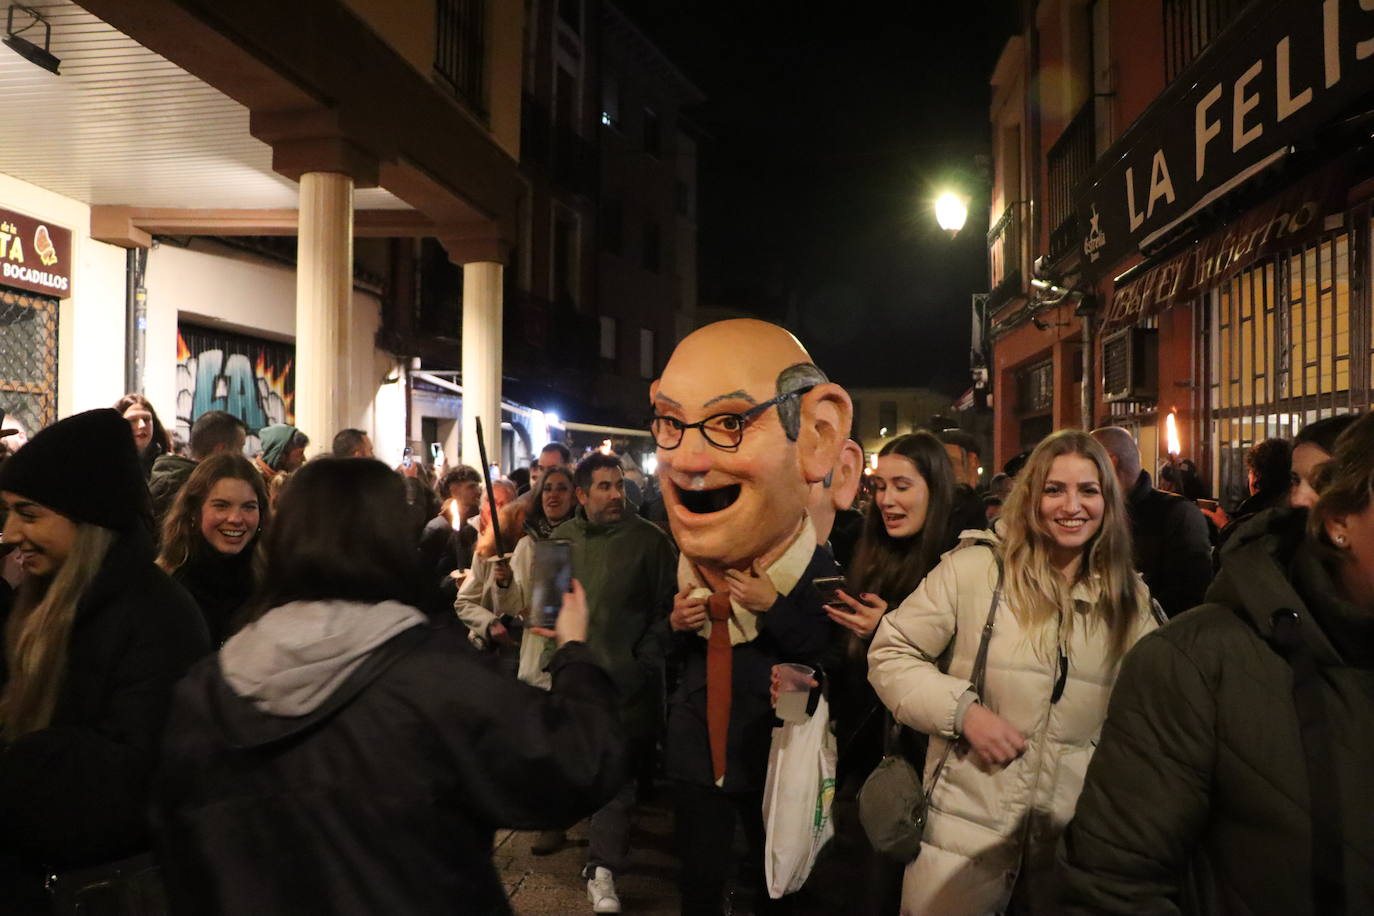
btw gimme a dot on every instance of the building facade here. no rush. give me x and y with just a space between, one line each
239 215
1181 224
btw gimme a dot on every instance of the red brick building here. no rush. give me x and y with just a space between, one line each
1193 180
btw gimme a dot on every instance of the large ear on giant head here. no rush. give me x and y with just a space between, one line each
826 413
653 390
849 472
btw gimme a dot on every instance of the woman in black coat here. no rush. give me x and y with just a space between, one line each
210 538
339 755
94 640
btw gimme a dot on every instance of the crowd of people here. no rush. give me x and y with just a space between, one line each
268 684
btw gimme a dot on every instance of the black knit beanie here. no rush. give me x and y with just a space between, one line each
85 467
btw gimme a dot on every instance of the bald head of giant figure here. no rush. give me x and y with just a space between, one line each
758 424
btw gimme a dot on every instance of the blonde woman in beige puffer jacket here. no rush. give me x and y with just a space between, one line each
1070 606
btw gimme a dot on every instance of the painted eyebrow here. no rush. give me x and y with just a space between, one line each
667 400
736 395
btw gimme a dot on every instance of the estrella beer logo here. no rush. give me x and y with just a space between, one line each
35 256
1092 245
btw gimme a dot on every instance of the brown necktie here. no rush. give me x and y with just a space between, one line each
718 663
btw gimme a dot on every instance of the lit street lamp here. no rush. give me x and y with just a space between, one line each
951 211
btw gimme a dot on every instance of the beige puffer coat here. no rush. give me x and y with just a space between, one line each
982 820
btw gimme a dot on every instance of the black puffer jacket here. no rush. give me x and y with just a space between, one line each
75 794
385 797
1206 794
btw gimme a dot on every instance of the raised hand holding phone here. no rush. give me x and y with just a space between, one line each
572 618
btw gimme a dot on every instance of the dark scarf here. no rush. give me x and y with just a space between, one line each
221 583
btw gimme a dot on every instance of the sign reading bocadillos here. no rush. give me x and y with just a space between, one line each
1282 70
35 255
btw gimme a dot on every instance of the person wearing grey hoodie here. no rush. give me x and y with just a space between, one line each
340 755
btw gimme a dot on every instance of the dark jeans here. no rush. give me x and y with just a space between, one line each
608 832
704 824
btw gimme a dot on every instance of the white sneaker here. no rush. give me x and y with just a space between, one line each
601 892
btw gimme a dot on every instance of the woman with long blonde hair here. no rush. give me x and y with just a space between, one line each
1056 581
93 641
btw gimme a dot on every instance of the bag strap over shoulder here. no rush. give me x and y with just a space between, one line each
980 665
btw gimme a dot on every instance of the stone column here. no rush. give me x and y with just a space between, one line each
324 296
482 302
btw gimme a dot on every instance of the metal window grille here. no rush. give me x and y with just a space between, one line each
1066 164
1037 387
1289 342
460 49
1190 26
28 359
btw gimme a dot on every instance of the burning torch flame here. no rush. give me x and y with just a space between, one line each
605 448
454 518
1171 433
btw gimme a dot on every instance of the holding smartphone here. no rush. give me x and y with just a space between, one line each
828 586
1206 505
407 458
551 576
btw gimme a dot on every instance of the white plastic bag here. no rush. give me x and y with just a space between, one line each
797 799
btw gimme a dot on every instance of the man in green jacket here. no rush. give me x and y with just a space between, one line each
628 568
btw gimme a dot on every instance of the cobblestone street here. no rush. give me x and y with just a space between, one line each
548 885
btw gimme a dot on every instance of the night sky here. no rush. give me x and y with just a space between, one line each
829 130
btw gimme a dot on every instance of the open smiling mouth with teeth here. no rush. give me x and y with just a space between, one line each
702 502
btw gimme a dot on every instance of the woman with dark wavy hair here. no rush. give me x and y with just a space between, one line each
211 536
150 438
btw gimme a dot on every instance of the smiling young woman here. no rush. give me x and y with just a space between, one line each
210 536
93 641
1234 771
1070 604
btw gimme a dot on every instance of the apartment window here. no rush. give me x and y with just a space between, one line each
646 353
565 258
682 194
608 347
610 101
1104 88
613 226
653 243
1036 388
460 49
652 141
565 105
887 418
570 14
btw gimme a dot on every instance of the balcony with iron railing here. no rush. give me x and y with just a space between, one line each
460 50
1190 26
1066 165
1009 254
